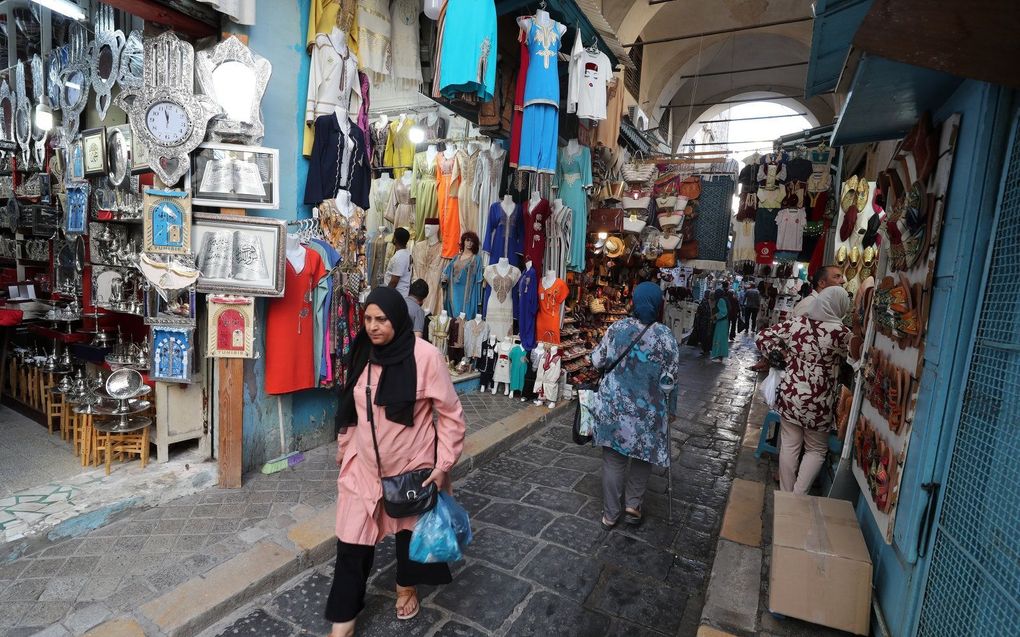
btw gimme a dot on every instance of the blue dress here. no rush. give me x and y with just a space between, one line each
504 236
573 173
540 126
720 333
467 55
632 410
465 281
526 307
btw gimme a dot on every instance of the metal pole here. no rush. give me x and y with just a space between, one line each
773 98
717 32
734 71
747 119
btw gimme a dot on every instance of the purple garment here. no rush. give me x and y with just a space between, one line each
363 112
526 307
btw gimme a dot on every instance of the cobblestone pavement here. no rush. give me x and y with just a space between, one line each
82 581
540 563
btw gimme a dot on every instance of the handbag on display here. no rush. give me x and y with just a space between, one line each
634 224
403 494
606 220
634 172
612 191
584 424
637 199
691 187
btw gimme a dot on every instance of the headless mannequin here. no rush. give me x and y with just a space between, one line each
451 150
401 120
507 205
295 253
382 122
384 177
548 279
557 204
342 118
430 154
503 266
573 147
492 348
343 203
536 197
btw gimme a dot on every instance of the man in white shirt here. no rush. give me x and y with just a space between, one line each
398 270
824 277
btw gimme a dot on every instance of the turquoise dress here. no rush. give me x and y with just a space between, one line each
573 174
720 333
518 368
467 56
465 286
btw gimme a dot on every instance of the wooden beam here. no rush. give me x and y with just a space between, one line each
230 410
158 14
976 39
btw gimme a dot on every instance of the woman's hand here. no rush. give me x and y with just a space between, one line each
441 479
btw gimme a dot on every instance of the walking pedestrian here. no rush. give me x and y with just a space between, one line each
701 332
813 346
733 310
634 404
752 301
720 323
396 383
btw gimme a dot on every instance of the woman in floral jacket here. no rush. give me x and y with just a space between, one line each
631 413
813 346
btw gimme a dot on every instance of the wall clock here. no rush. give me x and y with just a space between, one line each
105 53
74 81
165 114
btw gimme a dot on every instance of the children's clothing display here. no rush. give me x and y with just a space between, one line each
399 153
518 368
424 191
427 263
339 162
557 245
405 58
547 377
501 373
290 330
505 235
486 363
464 284
449 214
464 175
550 304
476 332
535 220
466 56
526 307
439 332
540 124
573 175
499 305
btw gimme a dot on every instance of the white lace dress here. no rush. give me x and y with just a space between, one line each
499 314
374 39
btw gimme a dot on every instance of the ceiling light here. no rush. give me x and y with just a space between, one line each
416 135
63 7
43 117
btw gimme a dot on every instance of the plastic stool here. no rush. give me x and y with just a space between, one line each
764 446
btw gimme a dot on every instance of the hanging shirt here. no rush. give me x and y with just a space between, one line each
339 162
290 330
332 80
592 73
790 229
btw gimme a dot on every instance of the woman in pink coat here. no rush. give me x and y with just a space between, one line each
409 381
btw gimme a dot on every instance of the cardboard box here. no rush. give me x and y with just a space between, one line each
821 569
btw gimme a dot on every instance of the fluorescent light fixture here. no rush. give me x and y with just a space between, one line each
63 7
416 135
43 117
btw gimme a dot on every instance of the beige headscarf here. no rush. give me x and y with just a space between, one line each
830 306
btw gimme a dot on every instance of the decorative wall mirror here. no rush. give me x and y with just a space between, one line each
235 78
6 112
75 80
54 64
118 161
131 62
38 93
165 113
22 112
69 263
105 53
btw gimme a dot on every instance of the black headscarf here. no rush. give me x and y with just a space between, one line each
397 382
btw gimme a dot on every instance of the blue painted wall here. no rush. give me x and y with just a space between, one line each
899 575
307 417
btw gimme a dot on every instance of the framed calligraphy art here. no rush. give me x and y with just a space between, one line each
239 255
232 176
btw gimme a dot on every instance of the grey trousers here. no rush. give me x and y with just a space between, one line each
614 474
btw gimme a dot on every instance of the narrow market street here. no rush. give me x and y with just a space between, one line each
540 563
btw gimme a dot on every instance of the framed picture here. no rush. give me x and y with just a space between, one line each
232 176
170 307
239 255
75 161
166 219
76 208
231 326
94 145
139 156
172 351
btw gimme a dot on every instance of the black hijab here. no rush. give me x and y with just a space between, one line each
397 381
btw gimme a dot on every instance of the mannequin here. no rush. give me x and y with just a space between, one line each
342 118
432 118
343 203
508 205
296 253
537 354
536 197
401 119
542 16
385 176
547 377
427 263
501 374
573 147
549 278
430 154
451 150
486 363
383 121
501 277
475 333
518 369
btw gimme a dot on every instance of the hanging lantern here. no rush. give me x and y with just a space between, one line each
433 8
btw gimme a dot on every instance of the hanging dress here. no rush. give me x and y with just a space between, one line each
550 303
540 125
518 368
427 263
499 311
573 174
504 237
518 120
399 209
557 245
379 135
378 201
290 330
466 59
332 78
485 190
475 334
526 308
535 220
374 39
405 66
464 280
399 151
449 215
424 192
464 175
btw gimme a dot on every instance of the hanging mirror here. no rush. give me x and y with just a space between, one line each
235 78
105 53
75 81
56 62
117 153
22 112
38 94
131 61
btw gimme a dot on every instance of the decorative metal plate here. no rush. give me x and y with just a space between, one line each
165 114
75 81
7 113
105 53
39 97
235 78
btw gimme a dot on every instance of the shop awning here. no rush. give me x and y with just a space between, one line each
836 22
588 18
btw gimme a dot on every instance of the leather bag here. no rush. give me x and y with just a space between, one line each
606 220
691 187
666 260
612 191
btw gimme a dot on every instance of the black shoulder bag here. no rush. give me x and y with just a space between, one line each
576 430
403 494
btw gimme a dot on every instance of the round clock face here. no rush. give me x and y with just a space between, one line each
168 122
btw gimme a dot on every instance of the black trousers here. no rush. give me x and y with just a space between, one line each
354 565
733 326
750 317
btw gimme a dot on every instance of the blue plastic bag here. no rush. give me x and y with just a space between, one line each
441 534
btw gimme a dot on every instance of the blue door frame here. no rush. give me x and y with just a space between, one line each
900 574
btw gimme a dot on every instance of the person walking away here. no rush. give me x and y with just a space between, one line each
824 277
398 270
416 295
635 403
752 301
701 332
813 346
720 323
396 384
733 310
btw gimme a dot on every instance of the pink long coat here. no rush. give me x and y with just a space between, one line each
360 518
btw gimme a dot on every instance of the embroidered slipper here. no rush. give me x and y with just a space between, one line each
405 596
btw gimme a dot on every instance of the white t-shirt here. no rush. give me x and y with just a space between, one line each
593 73
400 265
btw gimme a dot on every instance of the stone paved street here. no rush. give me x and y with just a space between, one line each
540 563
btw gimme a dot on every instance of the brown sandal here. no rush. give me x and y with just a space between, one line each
404 595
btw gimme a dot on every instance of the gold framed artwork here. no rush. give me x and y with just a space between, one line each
166 216
231 326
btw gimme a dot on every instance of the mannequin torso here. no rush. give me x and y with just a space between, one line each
295 253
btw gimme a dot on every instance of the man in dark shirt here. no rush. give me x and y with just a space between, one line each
752 301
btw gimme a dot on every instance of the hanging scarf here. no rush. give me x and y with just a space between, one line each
398 380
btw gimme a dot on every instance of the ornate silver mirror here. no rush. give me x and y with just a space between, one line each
235 78
117 155
38 97
131 62
56 62
105 58
6 112
75 81
22 112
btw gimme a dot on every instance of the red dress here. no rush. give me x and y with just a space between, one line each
550 300
290 330
515 129
535 220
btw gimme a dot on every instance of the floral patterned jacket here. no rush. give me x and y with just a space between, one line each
632 406
813 351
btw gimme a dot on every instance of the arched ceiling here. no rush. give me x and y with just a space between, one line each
667 66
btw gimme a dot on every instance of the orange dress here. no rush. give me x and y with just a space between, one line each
550 300
449 210
290 330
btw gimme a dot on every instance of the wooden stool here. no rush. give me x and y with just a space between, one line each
122 445
54 411
86 435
